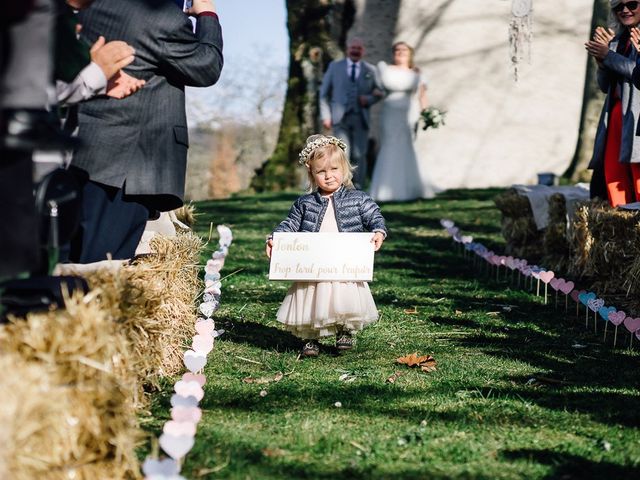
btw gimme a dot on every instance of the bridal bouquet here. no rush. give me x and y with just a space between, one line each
432 117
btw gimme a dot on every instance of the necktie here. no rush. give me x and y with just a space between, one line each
353 72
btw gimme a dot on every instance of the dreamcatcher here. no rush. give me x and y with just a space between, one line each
520 33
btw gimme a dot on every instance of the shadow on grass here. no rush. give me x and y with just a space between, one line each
568 467
259 335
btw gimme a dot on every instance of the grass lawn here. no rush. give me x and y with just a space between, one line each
480 415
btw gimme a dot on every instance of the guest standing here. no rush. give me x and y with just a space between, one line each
136 148
616 156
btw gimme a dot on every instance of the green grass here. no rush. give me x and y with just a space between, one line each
477 416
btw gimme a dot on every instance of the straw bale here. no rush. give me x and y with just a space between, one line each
581 241
152 300
512 204
187 214
73 395
520 231
555 241
616 244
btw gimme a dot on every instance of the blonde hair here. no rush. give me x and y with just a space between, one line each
411 51
327 147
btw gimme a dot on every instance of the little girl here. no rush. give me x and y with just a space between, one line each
312 310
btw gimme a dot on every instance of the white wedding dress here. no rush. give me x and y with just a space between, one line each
397 175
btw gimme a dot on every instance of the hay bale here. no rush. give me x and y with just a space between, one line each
522 237
186 214
512 204
74 409
581 241
520 231
555 240
616 245
152 300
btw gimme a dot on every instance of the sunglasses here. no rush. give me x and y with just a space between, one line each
632 6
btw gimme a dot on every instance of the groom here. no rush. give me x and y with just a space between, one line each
349 88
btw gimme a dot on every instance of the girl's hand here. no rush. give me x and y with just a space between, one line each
377 240
268 247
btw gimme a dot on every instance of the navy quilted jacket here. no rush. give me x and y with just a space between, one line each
355 212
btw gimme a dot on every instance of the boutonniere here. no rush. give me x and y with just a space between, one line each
367 75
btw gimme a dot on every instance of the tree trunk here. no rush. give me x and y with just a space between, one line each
317 34
592 102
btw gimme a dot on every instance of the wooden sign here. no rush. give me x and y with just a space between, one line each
322 256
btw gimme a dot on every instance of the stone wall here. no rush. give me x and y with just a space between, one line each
498 132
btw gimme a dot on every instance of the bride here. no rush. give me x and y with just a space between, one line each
397 176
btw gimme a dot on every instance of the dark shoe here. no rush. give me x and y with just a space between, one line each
28 130
311 349
344 341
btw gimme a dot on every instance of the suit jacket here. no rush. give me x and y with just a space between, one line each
618 69
141 141
335 86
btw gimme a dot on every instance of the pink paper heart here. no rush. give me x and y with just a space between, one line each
546 276
466 239
176 446
555 283
616 318
193 377
179 428
595 304
194 361
205 327
202 343
575 295
566 287
446 223
215 265
189 389
212 287
166 467
186 414
632 324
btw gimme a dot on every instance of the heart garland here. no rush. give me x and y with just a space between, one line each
590 300
178 434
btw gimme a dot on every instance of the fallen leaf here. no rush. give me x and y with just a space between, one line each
394 377
426 362
458 312
412 360
429 365
279 376
411 311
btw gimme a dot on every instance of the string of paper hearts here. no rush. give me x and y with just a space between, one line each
593 305
178 434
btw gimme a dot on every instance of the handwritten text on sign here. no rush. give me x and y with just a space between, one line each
322 256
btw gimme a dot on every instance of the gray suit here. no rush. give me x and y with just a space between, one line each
143 139
350 121
135 149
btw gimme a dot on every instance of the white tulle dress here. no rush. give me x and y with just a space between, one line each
397 176
312 310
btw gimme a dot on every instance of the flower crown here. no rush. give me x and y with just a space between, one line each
317 143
